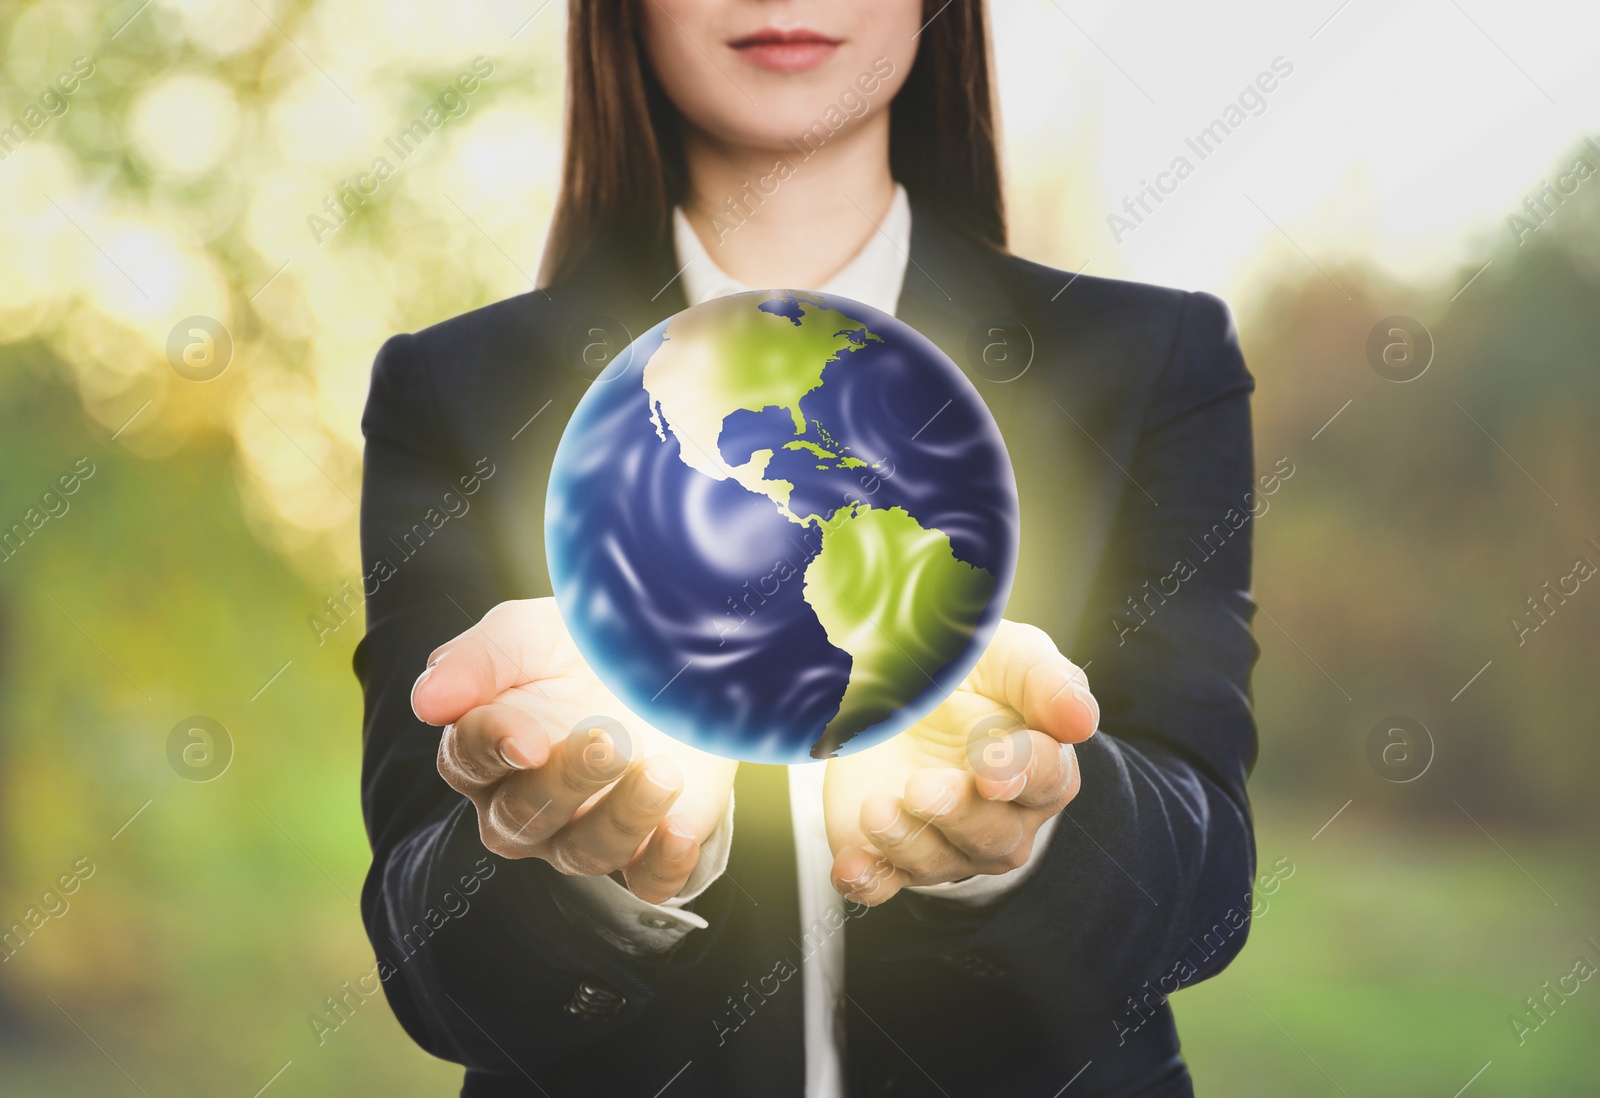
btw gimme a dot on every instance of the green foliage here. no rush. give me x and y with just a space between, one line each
1420 522
1391 963
217 921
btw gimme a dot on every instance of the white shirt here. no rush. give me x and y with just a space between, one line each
873 277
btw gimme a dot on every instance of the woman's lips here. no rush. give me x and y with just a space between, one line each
786 50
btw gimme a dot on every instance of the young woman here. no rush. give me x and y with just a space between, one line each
571 904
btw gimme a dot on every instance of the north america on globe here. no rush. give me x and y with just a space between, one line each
782 526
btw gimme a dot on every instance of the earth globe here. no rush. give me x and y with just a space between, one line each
781 526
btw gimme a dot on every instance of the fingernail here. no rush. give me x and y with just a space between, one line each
675 845
862 878
434 662
512 755
653 789
931 808
896 831
422 678
1010 790
1087 700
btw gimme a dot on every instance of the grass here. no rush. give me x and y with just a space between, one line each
1388 963
1392 961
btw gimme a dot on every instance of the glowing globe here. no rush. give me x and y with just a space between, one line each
781 526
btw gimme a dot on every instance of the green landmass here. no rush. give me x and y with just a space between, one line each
729 355
892 594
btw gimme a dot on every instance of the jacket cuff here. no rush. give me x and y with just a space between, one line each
638 927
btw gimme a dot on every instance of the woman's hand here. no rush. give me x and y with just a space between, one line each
964 791
557 767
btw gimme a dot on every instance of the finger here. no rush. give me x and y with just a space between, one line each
913 845
865 876
988 833
607 834
1022 668
487 744
1048 780
663 866
515 643
527 807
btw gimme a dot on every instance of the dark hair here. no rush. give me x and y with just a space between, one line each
623 168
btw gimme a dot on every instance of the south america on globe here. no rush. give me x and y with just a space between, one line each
781 526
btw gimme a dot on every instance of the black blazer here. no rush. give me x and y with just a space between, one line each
1130 433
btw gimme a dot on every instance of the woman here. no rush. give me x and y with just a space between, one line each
571 905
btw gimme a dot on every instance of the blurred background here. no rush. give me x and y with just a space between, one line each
1407 227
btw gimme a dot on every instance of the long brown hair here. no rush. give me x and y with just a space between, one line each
624 169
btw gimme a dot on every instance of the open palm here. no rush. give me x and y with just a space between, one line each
557 767
964 790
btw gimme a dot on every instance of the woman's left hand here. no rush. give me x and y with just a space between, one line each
963 791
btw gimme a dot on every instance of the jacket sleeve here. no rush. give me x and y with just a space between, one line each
469 944
1148 875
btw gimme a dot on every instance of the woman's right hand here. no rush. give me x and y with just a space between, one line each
557 767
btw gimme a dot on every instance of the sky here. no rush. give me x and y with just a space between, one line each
1406 133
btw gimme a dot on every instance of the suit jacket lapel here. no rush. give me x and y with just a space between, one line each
953 294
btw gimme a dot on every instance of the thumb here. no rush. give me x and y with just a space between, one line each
1023 669
516 643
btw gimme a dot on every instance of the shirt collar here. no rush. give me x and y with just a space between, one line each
874 277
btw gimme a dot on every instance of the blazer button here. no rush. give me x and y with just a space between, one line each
658 922
592 1001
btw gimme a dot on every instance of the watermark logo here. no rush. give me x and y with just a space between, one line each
1536 1010
199 749
199 348
1400 348
52 504
599 348
1543 604
851 103
49 105
1541 205
1251 102
999 349
342 606
599 745
1143 606
998 748
350 196
1399 749
52 905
